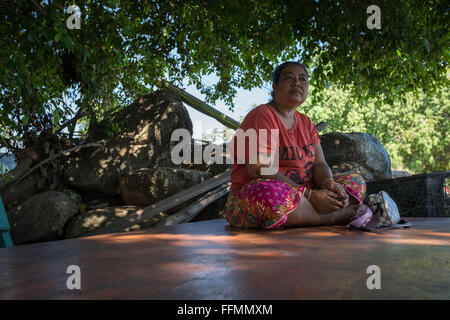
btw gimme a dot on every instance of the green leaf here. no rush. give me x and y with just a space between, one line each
241 42
427 45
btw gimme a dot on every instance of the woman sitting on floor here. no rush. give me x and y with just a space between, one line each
303 192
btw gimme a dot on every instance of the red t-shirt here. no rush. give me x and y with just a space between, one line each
295 148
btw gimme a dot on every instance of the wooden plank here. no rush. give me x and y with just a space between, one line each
199 105
211 260
189 213
163 205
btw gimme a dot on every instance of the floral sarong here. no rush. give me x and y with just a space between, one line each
267 203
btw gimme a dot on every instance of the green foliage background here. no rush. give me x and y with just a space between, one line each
50 75
415 131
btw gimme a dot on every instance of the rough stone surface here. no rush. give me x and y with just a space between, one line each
145 140
89 221
352 167
361 151
21 168
41 218
147 186
400 174
16 194
72 195
215 165
13 194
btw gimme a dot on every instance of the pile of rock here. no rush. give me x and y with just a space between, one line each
356 152
134 169
130 171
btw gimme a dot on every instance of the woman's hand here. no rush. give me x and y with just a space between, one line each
325 201
338 189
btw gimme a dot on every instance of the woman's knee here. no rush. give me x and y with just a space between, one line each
354 184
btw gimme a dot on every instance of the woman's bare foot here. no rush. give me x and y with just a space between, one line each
342 216
306 215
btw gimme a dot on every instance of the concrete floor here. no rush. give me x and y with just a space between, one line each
211 260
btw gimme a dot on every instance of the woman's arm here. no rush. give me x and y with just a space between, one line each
254 171
321 172
323 200
323 176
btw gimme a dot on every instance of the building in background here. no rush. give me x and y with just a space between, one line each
217 136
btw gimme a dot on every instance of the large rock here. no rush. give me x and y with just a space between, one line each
92 220
352 167
147 126
13 194
145 187
215 165
357 152
15 173
400 174
41 218
16 194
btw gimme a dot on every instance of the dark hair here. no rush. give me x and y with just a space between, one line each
276 74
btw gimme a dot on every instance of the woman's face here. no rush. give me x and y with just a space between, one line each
292 87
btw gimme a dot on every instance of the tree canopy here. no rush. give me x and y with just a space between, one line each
414 133
122 47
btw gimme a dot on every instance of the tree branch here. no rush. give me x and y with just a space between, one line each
39 7
63 152
76 118
189 213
